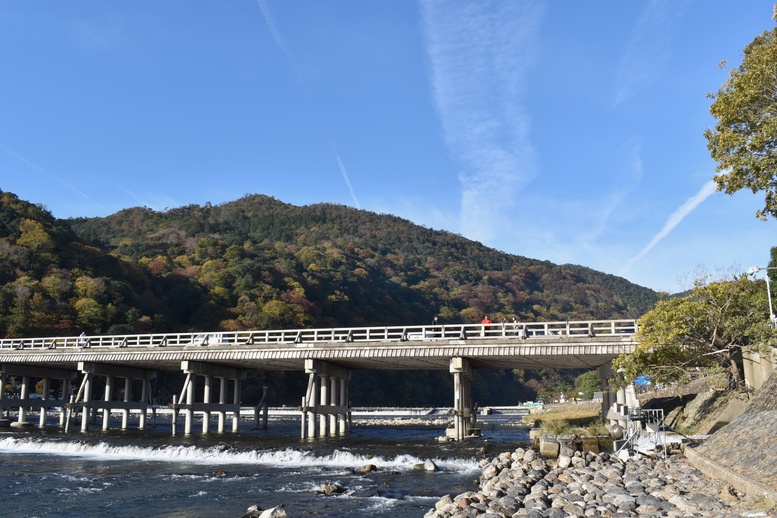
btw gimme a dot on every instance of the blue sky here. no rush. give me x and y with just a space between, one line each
562 130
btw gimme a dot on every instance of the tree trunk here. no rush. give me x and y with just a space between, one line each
735 380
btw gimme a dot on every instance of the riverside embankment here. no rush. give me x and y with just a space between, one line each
744 452
519 483
734 473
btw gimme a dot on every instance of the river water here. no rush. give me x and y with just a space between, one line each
154 474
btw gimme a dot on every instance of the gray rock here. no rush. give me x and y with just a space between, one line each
442 502
564 461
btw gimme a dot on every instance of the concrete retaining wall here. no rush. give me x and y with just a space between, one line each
719 472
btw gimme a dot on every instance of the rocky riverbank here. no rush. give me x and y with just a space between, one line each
587 484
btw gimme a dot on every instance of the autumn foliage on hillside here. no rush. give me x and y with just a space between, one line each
258 263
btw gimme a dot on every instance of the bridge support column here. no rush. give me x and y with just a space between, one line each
42 404
236 403
45 395
334 400
206 400
616 402
145 393
189 413
606 373
86 385
108 404
322 417
326 401
24 395
222 416
343 422
107 398
125 412
193 369
462 398
309 405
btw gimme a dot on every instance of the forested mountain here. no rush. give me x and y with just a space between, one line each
258 263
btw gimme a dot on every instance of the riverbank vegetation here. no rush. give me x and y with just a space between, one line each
568 419
702 333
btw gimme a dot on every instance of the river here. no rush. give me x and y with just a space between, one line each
154 474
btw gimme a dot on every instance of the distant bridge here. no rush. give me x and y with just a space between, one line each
327 355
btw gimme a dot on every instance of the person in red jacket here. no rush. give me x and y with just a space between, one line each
486 320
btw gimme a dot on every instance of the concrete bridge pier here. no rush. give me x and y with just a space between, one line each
208 372
325 405
85 400
606 373
462 399
43 404
616 401
24 395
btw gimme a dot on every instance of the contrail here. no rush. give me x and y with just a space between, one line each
281 43
38 168
346 178
276 35
686 208
649 46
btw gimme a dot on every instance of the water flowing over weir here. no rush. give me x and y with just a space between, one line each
218 362
123 474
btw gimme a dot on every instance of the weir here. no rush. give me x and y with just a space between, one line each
215 364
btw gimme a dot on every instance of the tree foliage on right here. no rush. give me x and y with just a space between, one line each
744 140
701 333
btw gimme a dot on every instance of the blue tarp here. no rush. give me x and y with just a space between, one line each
642 381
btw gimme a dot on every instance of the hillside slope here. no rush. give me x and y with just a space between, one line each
260 263
326 264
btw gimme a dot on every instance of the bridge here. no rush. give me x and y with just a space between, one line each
326 355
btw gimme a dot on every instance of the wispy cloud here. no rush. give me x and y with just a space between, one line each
677 216
481 55
346 178
649 46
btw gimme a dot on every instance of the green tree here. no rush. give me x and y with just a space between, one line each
703 332
89 313
588 383
33 235
744 140
19 316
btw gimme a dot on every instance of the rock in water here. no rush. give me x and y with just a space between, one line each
252 512
332 489
429 465
274 512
